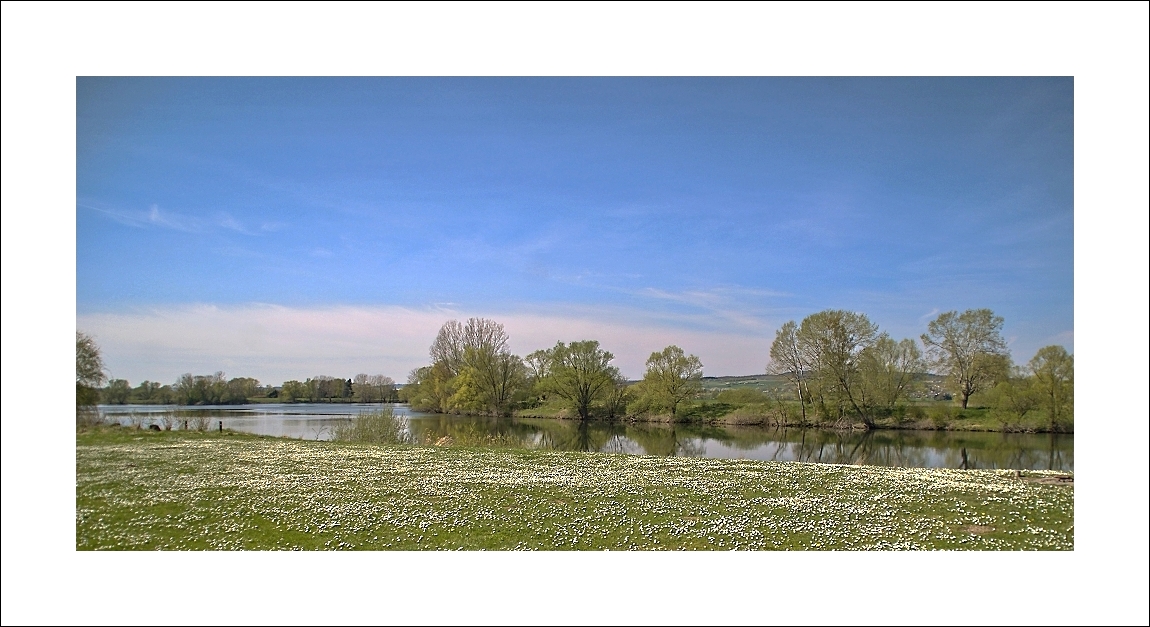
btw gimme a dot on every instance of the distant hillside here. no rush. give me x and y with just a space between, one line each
761 382
764 382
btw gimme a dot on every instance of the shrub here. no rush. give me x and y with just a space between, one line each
940 417
168 420
379 427
200 421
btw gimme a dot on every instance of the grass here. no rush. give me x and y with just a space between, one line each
186 490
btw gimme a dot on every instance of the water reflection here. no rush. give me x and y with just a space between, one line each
932 449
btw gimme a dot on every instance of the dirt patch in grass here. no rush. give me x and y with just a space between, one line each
977 529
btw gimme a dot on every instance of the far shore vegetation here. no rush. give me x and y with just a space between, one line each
834 369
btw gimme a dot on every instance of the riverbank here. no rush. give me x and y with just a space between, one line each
921 418
188 490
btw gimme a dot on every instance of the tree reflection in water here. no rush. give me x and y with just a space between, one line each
877 447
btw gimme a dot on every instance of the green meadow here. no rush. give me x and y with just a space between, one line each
173 490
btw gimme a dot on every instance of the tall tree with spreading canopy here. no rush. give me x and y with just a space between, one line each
834 342
968 349
672 377
473 362
581 373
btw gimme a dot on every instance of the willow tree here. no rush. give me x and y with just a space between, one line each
672 377
968 349
889 370
472 367
581 374
1053 370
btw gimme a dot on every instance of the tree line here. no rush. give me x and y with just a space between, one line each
93 386
472 370
217 389
838 365
362 388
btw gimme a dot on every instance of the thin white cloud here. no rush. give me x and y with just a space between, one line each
228 222
275 343
157 217
930 315
153 217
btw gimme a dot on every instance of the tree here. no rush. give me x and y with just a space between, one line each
240 389
672 377
484 337
430 388
1014 396
618 396
384 387
889 369
447 349
89 372
581 373
147 391
363 390
834 341
789 360
501 376
473 369
538 368
1053 370
292 390
968 349
117 392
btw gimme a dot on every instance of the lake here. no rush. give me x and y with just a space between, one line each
904 448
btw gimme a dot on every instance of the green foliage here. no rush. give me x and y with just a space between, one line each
742 396
581 374
469 393
671 378
888 370
1012 399
472 371
969 349
1053 370
216 389
940 416
117 392
835 342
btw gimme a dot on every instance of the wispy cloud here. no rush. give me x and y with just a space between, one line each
230 223
157 217
152 217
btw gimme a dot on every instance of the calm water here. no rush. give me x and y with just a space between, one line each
929 449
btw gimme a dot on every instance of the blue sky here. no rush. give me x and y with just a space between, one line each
283 228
